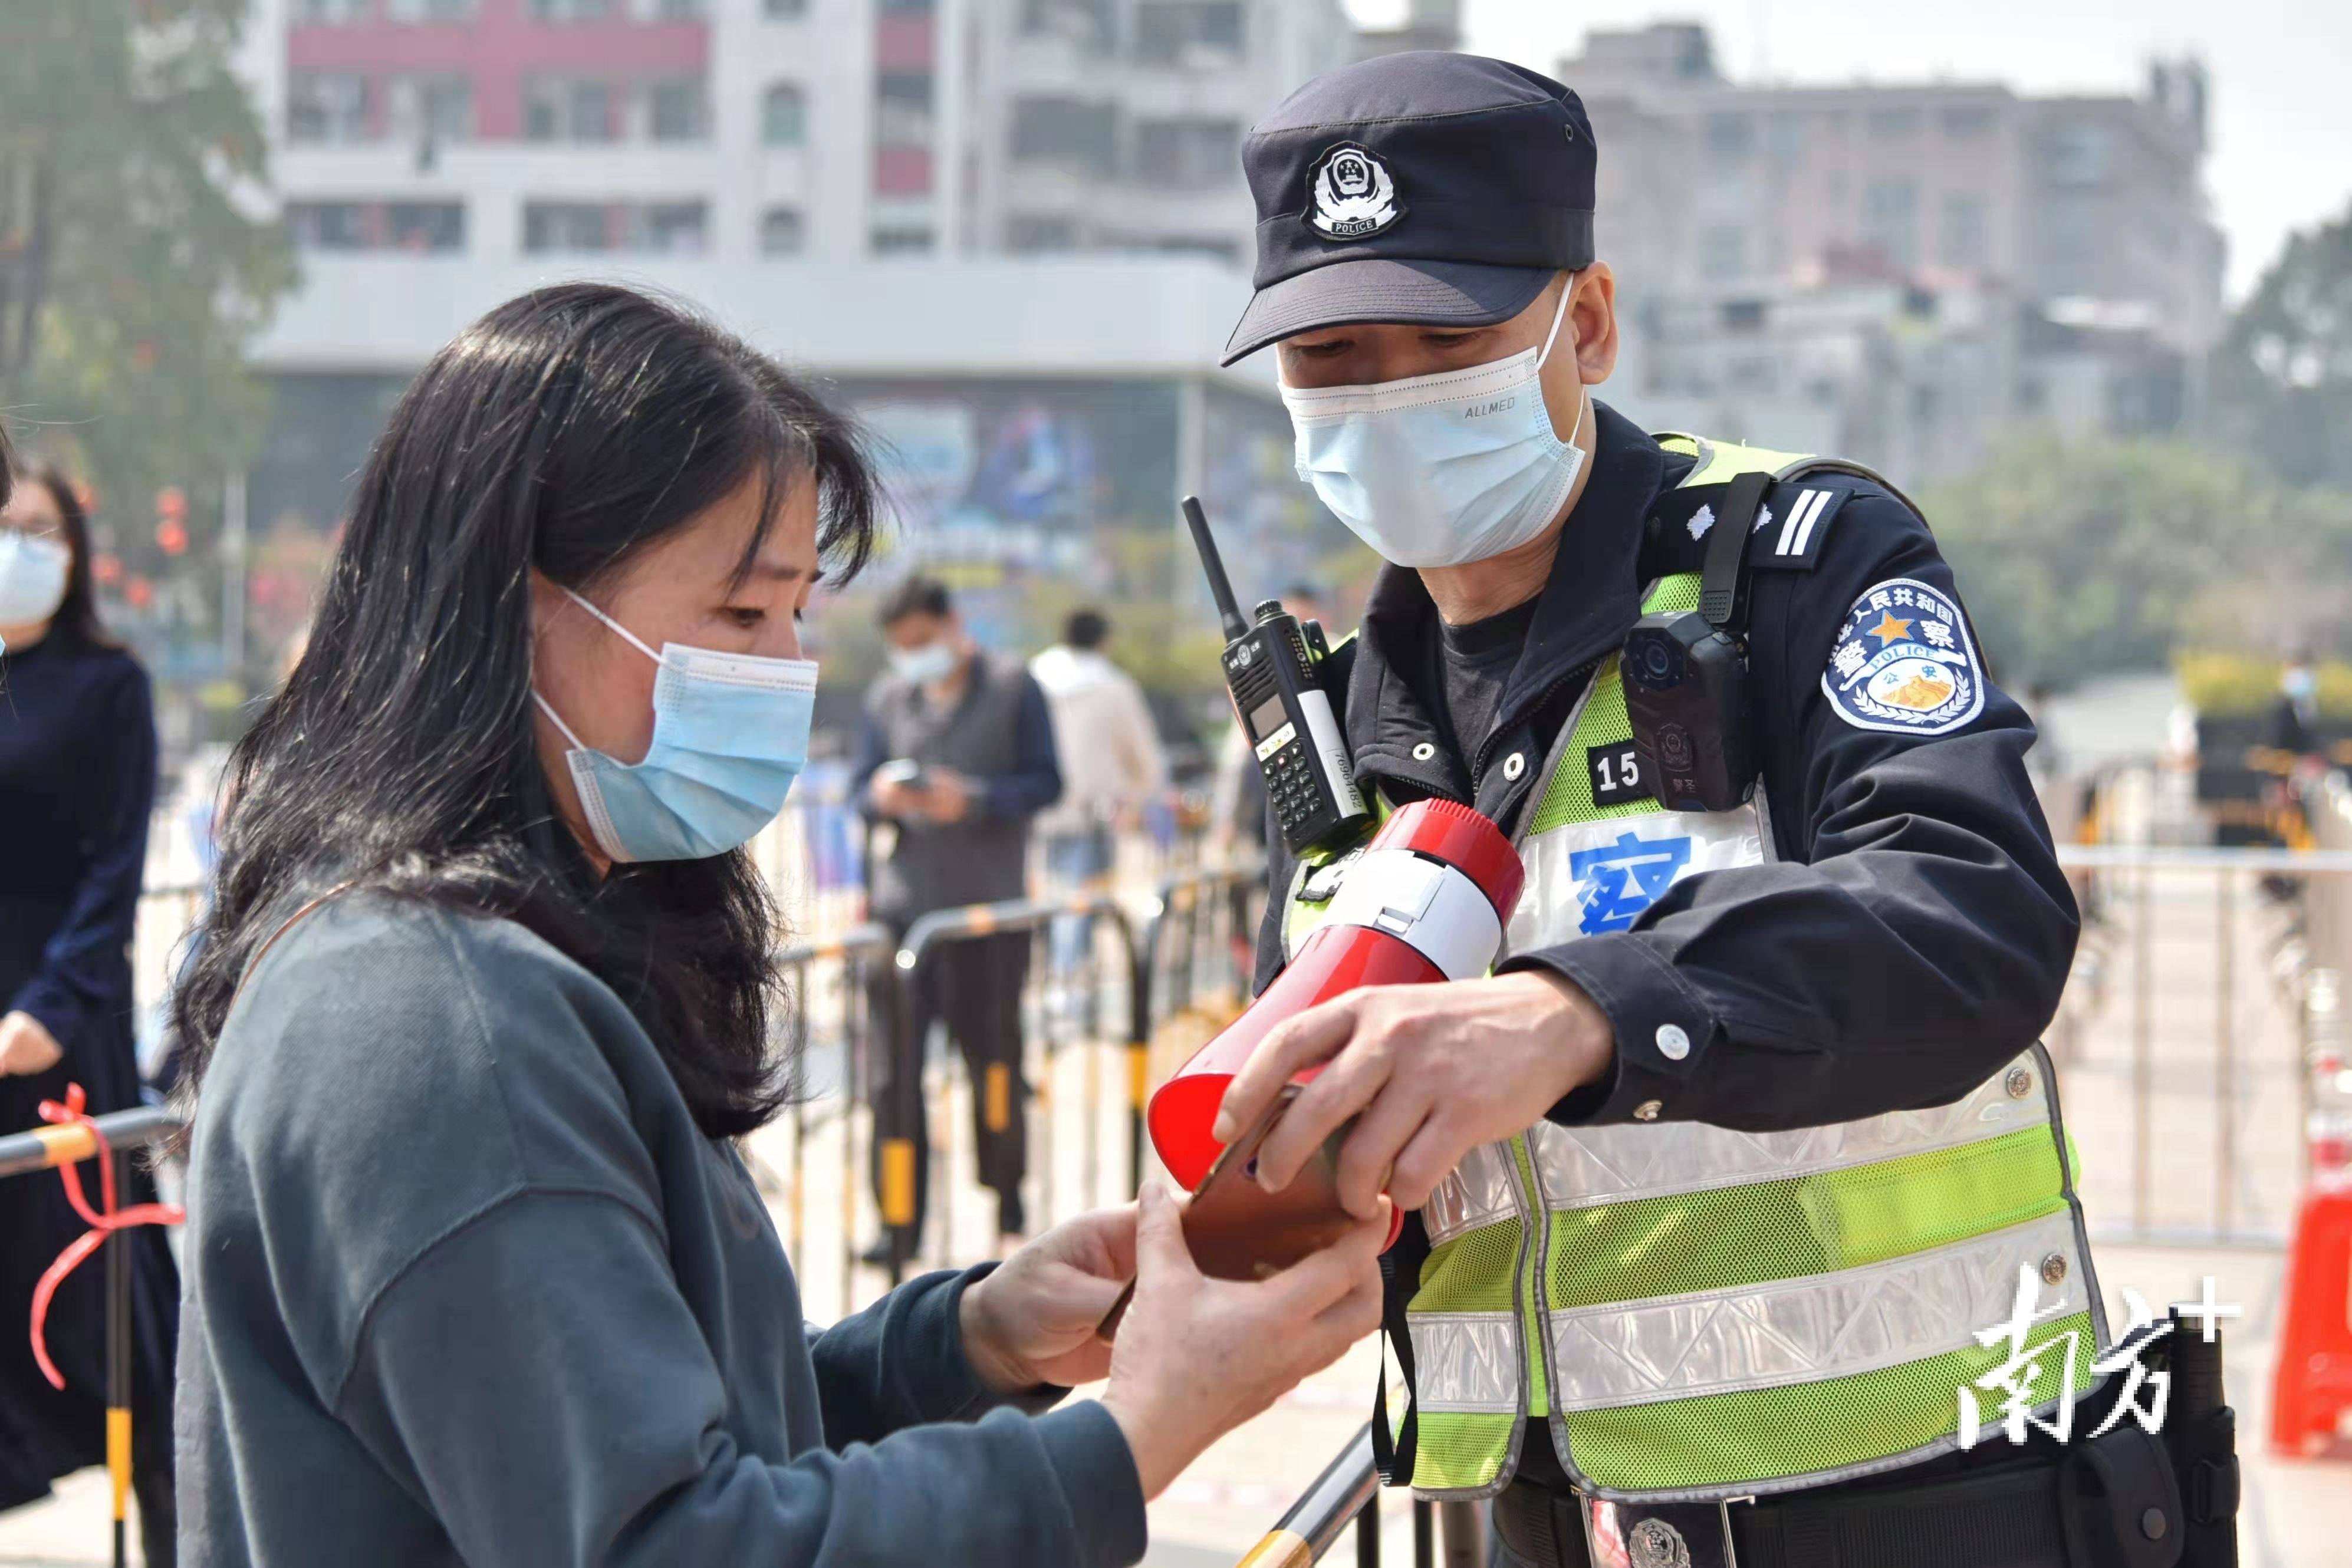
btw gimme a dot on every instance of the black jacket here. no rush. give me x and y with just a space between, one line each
1914 932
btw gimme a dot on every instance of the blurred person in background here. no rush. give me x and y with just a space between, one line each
955 759
76 783
1237 795
1111 767
2294 715
477 1273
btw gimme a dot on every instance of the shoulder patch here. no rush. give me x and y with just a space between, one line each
1792 526
1904 662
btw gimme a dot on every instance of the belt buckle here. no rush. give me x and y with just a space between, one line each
1659 1534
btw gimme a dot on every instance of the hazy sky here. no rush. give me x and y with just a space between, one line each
2281 108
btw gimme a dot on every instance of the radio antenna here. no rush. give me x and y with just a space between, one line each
1220 589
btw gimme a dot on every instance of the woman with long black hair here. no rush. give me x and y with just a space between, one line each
76 784
475 1272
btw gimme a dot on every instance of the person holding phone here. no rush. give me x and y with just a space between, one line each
475 1272
955 759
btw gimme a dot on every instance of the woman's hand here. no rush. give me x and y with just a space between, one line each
1033 1320
1196 1357
26 1046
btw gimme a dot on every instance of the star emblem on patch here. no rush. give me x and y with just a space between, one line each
1905 661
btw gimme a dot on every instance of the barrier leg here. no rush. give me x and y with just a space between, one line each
118 1367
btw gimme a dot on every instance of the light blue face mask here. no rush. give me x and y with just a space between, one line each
1440 470
730 734
923 666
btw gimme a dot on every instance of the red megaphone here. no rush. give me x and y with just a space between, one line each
1427 900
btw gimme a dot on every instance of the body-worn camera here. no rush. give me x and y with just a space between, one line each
1685 691
1686 675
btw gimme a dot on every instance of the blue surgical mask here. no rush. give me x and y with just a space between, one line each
1440 470
730 734
33 573
923 666
2301 684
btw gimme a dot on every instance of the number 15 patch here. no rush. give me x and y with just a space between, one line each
1904 662
1616 774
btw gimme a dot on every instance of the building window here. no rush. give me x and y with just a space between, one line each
572 10
1960 237
326 106
430 10
330 11
327 226
1065 131
902 239
1784 135
436 107
1086 23
1889 220
676 112
568 109
902 108
1039 236
416 227
1188 154
1729 135
1189 32
1723 252
1966 123
1889 124
670 228
783 116
785 10
783 232
2075 154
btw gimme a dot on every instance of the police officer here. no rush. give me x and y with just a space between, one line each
1720 1173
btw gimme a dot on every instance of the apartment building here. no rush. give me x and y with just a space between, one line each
1012 233
1801 253
828 129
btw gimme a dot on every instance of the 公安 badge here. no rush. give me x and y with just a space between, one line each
1905 662
1350 195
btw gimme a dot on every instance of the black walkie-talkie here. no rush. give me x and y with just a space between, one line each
1270 670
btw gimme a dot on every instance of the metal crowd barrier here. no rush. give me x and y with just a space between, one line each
46 1148
2185 1008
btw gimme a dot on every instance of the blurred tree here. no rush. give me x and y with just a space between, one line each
135 264
2281 379
2079 558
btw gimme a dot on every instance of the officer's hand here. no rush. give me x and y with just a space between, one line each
1434 1070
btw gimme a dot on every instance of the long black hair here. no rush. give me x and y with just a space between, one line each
76 619
563 431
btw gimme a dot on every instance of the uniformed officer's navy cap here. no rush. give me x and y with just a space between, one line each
1429 188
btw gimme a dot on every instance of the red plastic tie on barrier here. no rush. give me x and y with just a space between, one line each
102 1221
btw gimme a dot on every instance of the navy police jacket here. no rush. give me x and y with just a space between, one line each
1915 931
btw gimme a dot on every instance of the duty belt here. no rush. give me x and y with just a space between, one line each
2115 1501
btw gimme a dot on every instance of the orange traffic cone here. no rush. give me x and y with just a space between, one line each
2311 1390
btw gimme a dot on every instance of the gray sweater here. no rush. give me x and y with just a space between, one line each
466 1284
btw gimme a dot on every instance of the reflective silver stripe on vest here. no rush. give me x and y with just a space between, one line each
1811 1329
1480 1191
1584 1168
1466 1361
